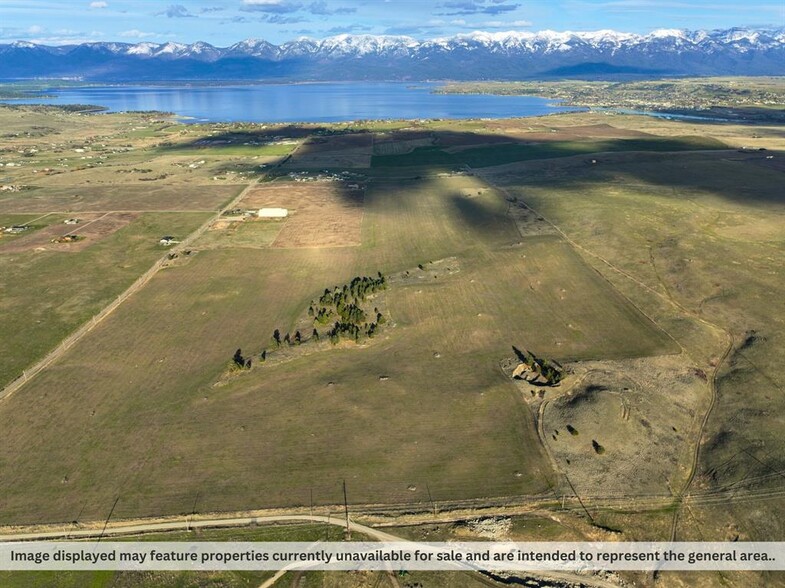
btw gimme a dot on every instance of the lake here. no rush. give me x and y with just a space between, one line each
318 102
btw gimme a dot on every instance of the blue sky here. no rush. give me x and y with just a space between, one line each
223 22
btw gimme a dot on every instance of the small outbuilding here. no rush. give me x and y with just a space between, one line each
273 213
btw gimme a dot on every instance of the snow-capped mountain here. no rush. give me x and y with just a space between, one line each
477 55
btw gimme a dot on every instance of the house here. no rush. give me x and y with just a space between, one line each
71 221
16 229
273 213
167 240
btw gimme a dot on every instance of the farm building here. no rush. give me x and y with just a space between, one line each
273 213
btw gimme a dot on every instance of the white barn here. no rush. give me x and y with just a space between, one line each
273 213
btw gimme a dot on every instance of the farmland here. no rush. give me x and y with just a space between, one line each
639 254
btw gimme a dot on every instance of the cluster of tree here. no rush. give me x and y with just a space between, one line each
355 329
240 362
357 290
343 303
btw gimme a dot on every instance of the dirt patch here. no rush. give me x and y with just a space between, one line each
91 229
625 427
528 222
321 214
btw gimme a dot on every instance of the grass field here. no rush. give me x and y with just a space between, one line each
79 198
252 234
486 156
283 430
45 295
659 269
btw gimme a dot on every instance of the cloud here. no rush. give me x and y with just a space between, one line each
137 34
352 28
282 19
237 20
413 31
207 9
503 24
98 4
176 11
320 7
271 6
35 30
468 7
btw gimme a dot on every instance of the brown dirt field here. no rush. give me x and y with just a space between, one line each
120 197
93 227
320 214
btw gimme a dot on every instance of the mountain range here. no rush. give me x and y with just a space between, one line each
473 56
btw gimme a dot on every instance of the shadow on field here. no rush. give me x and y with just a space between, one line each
583 154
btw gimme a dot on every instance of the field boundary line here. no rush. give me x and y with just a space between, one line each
65 344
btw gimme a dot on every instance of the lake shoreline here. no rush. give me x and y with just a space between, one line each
311 102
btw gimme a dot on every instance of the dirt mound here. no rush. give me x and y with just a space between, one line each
624 426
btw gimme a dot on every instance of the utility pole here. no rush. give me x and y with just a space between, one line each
430 498
193 512
101 536
346 509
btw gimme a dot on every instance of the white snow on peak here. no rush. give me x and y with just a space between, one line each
143 48
667 33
